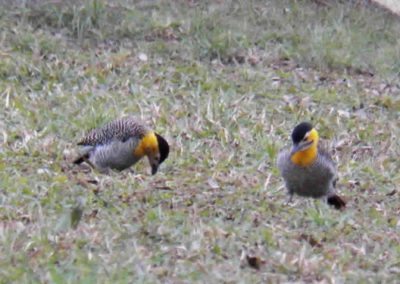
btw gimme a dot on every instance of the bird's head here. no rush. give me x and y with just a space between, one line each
155 147
305 144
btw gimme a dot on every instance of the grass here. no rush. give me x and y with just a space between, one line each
225 83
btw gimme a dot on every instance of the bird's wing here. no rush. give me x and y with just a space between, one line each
326 158
282 159
120 130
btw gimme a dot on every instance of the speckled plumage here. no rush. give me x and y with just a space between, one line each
117 130
112 146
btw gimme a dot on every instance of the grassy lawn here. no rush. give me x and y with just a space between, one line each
225 82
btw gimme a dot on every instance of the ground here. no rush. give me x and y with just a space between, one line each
224 82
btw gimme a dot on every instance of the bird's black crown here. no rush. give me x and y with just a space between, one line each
300 131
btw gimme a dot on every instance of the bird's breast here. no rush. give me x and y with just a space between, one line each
116 154
314 180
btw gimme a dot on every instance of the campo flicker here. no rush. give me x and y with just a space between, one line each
307 169
120 144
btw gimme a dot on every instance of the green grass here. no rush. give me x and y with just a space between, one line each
225 83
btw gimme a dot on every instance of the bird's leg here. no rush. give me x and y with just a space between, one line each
90 163
131 171
290 199
103 170
88 167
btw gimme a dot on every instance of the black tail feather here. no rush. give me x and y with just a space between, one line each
337 201
81 159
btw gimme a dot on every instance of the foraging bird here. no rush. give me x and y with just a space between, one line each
307 169
122 143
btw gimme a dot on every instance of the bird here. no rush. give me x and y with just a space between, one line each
120 144
307 169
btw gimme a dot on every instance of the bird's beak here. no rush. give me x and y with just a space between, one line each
300 147
295 148
154 169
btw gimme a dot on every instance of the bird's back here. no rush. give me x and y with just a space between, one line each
117 130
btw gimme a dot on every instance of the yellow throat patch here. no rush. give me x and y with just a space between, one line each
308 156
147 145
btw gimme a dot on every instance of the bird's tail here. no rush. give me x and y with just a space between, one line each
81 159
337 201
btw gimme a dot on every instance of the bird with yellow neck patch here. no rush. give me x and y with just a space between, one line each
122 143
307 169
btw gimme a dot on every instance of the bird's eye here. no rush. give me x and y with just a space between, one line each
305 139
